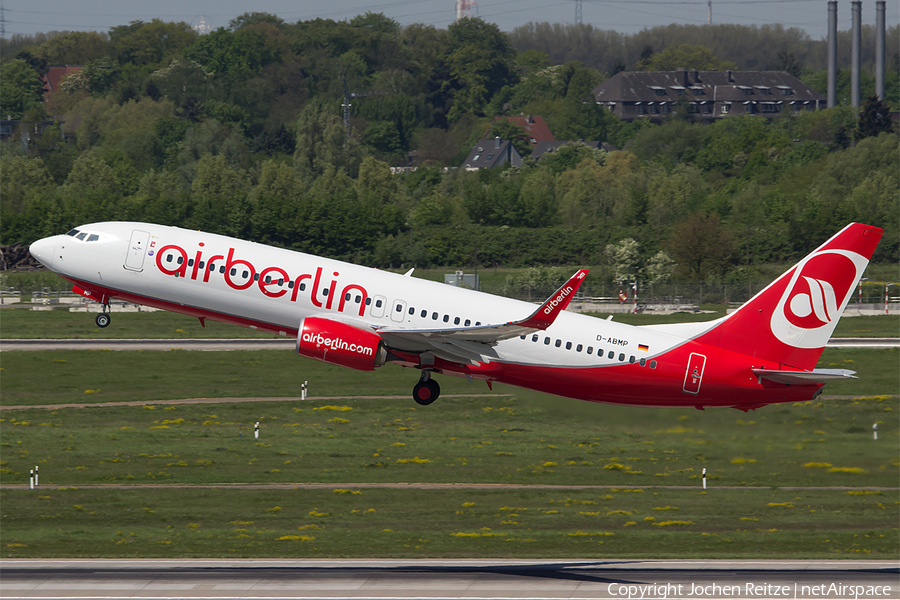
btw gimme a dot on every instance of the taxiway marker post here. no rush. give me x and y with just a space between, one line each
256 431
36 482
31 480
704 478
303 390
875 431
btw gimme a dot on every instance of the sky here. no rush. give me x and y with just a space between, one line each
626 16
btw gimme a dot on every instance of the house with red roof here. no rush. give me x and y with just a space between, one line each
535 127
54 77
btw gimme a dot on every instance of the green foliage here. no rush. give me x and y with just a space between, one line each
240 132
20 89
685 56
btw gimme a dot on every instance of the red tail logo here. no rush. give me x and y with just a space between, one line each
815 297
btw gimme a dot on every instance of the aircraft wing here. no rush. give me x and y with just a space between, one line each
476 343
804 377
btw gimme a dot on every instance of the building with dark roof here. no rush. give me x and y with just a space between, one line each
488 154
708 95
544 147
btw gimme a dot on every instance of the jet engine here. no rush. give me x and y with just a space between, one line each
340 344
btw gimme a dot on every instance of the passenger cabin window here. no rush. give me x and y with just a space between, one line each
456 322
652 364
468 322
412 311
590 350
578 348
399 308
568 345
446 318
434 316
611 355
622 357
423 314
546 341
377 303
558 343
534 338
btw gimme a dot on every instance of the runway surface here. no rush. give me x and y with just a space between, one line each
435 579
278 344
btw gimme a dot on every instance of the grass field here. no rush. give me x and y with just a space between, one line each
69 376
23 323
514 437
622 523
526 439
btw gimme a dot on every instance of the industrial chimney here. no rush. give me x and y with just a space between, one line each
855 51
832 53
879 49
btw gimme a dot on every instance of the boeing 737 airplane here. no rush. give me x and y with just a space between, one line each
362 318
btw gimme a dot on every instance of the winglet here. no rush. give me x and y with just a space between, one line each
544 316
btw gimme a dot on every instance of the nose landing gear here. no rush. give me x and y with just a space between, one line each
427 390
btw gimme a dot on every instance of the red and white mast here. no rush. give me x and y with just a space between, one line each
463 7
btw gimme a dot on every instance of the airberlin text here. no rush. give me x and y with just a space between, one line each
273 282
336 344
558 299
747 590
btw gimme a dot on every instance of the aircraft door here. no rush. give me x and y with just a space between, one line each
137 249
378 304
694 374
398 310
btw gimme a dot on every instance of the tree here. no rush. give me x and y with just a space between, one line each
254 18
660 268
322 141
701 247
875 118
481 62
21 89
788 62
74 48
686 56
625 257
150 43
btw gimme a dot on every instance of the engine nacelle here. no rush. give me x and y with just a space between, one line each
340 344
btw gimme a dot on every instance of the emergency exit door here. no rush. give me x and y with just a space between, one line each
137 249
694 374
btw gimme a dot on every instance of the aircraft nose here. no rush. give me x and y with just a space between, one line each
44 250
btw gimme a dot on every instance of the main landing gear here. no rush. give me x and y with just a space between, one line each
103 319
427 390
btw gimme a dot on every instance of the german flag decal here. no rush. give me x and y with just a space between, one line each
643 347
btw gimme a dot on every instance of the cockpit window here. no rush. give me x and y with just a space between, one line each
80 236
93 237
73 232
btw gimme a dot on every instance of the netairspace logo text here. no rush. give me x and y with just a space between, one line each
663 591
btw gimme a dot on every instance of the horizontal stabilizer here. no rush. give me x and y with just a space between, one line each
804 377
